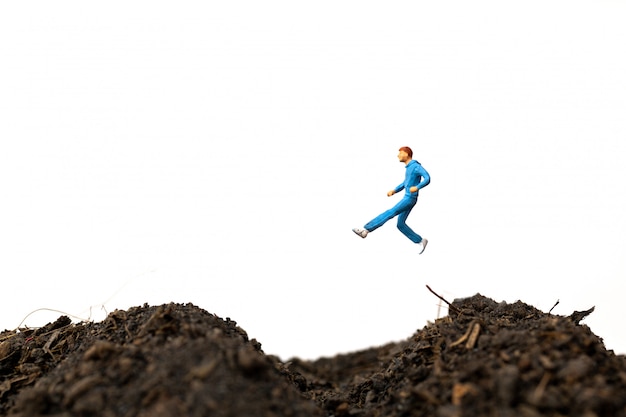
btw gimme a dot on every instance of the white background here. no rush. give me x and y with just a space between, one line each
219 153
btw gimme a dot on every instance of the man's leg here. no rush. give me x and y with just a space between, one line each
405 229
403 205
408 232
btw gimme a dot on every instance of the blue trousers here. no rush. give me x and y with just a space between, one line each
402 210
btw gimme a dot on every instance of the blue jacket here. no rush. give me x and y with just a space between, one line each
415 175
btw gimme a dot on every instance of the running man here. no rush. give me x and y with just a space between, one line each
415 179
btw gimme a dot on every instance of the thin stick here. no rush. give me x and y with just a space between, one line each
555 304
540 389
473 337
453 308
48 309
465 336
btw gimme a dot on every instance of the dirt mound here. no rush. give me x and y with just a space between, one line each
484 358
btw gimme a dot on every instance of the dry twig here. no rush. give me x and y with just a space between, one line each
541 388
471 336
555 304
46 347
450 306
464 337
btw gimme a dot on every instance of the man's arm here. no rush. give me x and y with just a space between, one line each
396 190
420 171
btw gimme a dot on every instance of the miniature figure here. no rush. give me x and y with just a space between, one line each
415 179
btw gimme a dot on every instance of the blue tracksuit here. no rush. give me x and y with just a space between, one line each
415 175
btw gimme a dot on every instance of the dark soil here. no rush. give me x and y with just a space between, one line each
483 359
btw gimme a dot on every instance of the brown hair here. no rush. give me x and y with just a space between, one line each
407 150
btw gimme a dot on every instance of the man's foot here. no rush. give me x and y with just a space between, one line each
361 232
424 242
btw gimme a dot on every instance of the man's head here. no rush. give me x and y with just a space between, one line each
405 155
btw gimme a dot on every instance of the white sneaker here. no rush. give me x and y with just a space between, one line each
361 232
424 242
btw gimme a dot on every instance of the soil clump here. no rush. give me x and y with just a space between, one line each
483 359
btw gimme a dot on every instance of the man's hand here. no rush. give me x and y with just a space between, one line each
413 189
390 193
